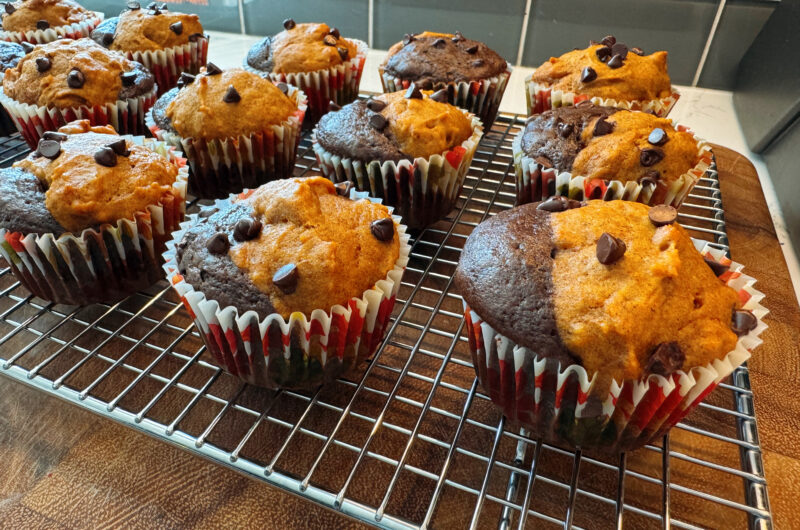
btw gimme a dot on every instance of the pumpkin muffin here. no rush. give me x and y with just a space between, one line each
167 43
295 250
10 54
603 152
473 74
410 149
41 21
564 285
316 59
231 111
86 183
607 73
69 78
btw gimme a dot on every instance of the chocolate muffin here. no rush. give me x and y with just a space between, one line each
69 78
41 21
427 143
473 74
10 54
602 152
167 43
294 251
565 285
316 59
88 184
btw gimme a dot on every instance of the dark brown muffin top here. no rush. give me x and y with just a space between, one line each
10 54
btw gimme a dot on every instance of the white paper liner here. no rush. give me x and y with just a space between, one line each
230 165
168 64
535 182
422 190
567 405
75 31
104 264
298 352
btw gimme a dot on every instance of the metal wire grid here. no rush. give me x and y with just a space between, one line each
410 441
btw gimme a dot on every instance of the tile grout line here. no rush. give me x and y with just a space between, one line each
524 33
712 32
240 3
370 22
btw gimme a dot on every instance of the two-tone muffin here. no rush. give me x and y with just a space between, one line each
606 153
41 21
167 43
63 80
411 150
600 324
609 74
237 129
316 59
85 217
301 274
10 54
473 75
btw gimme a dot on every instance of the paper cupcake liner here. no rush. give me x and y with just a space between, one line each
338 84
167 65
299 352
565 404
127 117
103 264
540 98
481 97
42 36
230 165
421 191
535 182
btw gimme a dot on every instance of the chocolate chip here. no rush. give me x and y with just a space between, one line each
176 27
43 64
472 49
662 215
608 40
609 249
286 278
27 47
329 40
382 229
49 148
408 38
194 37
185 79
651 177
133 6
335 33
477 63
584 103
544 162
457 37
615 62
565 129
213 69
558 203
716 267
413 92
218 243
375 105
152 5
163 6
108 38
207 212
231 95
440 96
120 147
651 156
637 51
246 229
658 136
619 49
155 11
10 8
602 127
343 188
105 156
54 135
289 24
333 107
604 54
665 359
42 24
75 78
128 78
283 87
343 52
743 322
588 75
378 122
439 43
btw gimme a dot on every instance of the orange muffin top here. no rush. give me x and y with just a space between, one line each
140 29
30 15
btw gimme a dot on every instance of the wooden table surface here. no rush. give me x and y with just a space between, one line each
64 467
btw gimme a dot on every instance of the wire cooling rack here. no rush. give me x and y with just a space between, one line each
410 440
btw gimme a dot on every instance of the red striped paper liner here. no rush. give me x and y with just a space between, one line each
168 64
74 31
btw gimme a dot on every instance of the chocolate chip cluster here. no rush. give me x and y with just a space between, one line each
50 148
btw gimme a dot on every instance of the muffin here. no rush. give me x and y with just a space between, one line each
316 59
66 80
167 43
41 21
291 284
238 130
609 74
473 74
10 54
86 216
600 324
411 150
606 153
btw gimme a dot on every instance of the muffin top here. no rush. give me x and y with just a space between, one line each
291 245
10 54
30 15
607 143
217 104
616 287
396 126
608 70
432 58
154 28
81 177
301 48
70 73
